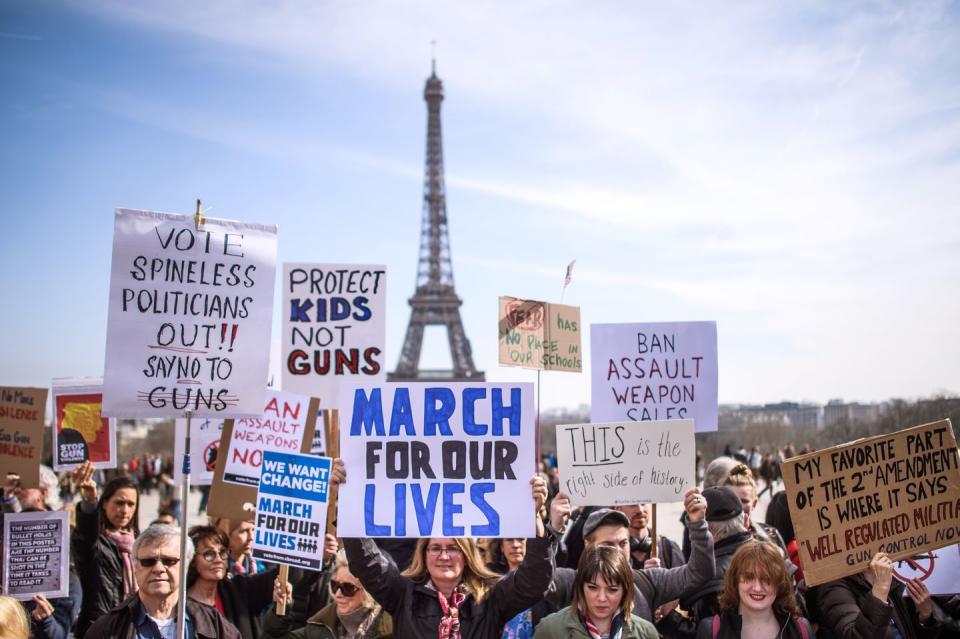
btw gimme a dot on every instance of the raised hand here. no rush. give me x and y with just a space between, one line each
882 569
560 510
338 473
82 477
921 598
695 504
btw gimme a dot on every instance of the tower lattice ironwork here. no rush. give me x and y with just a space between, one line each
435 301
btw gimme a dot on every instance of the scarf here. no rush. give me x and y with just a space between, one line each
449 627
356 624
124 541
245 565
616 626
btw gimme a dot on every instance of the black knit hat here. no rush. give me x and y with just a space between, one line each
722 503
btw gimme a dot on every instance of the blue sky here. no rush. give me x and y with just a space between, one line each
791 171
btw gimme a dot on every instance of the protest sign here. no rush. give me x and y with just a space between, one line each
291 514
334 327
22 411
626 462
896 493
189 317
437 460
205 436
36 554
287 425
647 372
539 335
280 428
80 432
937 569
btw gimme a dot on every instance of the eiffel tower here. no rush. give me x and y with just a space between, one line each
435 302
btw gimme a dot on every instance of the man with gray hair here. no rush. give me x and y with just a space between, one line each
151 612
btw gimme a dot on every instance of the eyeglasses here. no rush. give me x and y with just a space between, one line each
211 555
347 589
150 562
452 551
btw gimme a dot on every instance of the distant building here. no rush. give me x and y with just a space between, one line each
786 413
837 411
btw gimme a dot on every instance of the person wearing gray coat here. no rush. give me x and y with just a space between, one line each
652 586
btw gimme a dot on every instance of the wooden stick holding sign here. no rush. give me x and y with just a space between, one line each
283 576
653 531
331 428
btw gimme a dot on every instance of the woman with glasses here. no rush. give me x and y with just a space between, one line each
240 598
602 601
353 614
102 542
447 592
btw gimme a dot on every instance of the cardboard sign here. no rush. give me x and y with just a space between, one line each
190 315
36 554
80 432
897 493
237 500
279 429
437 460
626 462
204 446
22 411
291 514
334 327
539 335
937 569
649 372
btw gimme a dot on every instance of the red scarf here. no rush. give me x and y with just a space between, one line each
449 627
124 541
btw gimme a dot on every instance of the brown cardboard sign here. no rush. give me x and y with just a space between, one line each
896 493
238 502
22 411
539 335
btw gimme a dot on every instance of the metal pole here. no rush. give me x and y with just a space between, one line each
184 509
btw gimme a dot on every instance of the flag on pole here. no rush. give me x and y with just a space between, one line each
569 276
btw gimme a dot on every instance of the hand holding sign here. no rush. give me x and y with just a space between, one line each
43 609
282 593
695 504
921 598
82 477
882 569
560 510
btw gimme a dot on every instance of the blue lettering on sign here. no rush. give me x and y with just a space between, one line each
367 413
492 528
438 416
363 313
400 513
450 509
470 425
501 412
425 511
402 414
369 502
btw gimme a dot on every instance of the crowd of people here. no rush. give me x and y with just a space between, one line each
589 573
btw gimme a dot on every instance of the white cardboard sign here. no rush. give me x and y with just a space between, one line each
279 428
437 460
650 372
334 328
626 462
189 318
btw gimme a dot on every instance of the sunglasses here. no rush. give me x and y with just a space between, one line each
347 589
150 562
211 555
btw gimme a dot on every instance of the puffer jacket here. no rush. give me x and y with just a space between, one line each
323 625
99 566
416 610
566 625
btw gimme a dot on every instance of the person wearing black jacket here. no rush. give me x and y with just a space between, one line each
240 598
102 542
447 591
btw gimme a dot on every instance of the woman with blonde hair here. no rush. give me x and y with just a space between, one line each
352 614
602 601
13 619
757 599
447 592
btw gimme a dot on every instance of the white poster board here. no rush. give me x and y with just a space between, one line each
626 462
36 554
654 371
204 448
79 430
437 460
937 569
334 328
279 428
189 318
291 514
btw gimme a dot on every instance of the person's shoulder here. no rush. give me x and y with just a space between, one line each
554 622
643 628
